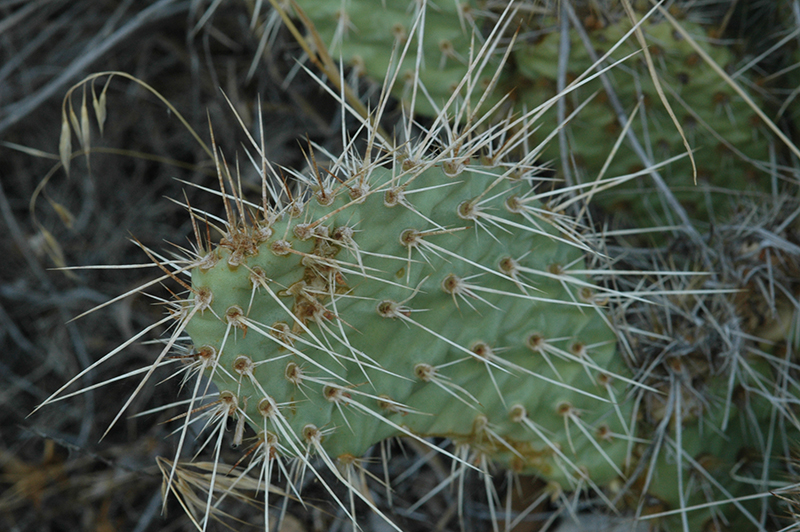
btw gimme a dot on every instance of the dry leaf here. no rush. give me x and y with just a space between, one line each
65 143
85 129
99 108
63 213
74 121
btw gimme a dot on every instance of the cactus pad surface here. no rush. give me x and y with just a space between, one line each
429 299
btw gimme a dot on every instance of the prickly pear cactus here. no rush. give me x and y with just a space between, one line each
426 300
436 297
724 131
366 34
729 140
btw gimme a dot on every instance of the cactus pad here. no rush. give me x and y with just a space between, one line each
426 300
730 142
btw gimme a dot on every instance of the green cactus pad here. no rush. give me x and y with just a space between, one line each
430 302
729 140
722 129
365 33
443 299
